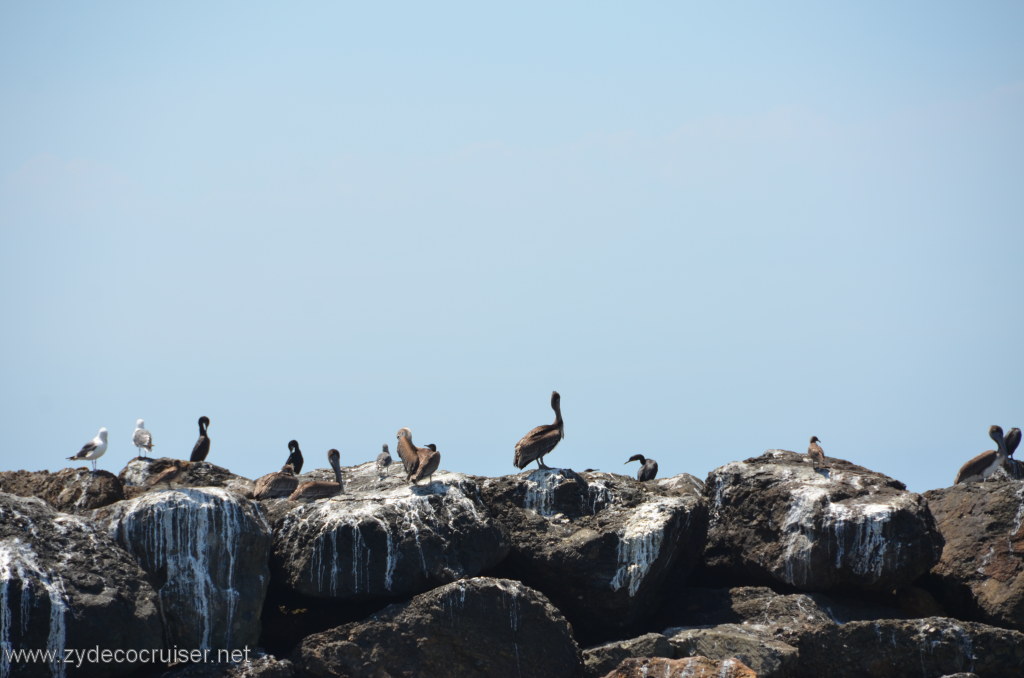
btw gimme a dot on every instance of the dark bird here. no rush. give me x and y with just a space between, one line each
275 485
141 438
1012 440
541 440
295 458
429 460
815 452
407 452
93 449
202 447
318 489
648 467
986 463
383 461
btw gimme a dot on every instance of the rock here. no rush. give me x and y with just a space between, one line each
602 546
71 490
138 473
597 661
777 519
66 586
475 627
690 667
208 550
384 540
264 666
754 646
981 573
682 484
912 648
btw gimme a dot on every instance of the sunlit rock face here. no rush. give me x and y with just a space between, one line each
208 549
480 627
64 585
385 538
600 545
139 474
981 573
71 490
777 519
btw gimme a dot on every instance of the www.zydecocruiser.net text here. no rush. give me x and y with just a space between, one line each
80 657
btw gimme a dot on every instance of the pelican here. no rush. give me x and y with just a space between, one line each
202 447
93 449
815 452
383 461
275 485
407 452
171 473
429 460
295 458
1012 440
318 489
141 438
648 467
541 440
986 463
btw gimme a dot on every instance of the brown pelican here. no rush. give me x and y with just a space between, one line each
169 474
141 438
407 452
1012 440
383 461
202 447
275 485
541 440
295 458
429 460
815 452
93 449
648 467
318 489
986 463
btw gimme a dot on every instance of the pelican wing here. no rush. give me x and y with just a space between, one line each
536 443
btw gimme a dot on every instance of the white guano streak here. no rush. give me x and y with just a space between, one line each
18 562
640 542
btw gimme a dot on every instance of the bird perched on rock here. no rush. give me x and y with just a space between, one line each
541 440
141 438
295 456
648 467
383 461
175 469
1012 440
815 452
202 447
419 462
429 460
318 489
986 463
277 484
93 449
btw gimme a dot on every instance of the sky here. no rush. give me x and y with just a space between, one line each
714 228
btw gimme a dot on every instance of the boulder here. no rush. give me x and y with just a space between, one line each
382 540
777 519
263 666
602 546
690 667
913 648
475 627
754 646
71 490
140 472
599 660
208 550
66 586
981 573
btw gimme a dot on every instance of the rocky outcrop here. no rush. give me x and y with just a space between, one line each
66 586
600 545
208 550
690 667
777 519
71 490
599 660
474 627
913 648
385 539
264 666
981 573
769 658
139 474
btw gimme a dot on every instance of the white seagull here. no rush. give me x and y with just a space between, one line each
142 439
93 449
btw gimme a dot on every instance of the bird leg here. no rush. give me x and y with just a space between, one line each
541 464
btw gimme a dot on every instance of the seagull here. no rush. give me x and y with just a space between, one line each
648 467
142 439
542 439
93 449
384 462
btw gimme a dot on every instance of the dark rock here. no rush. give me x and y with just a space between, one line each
911 648
384 540
602 546
65 585
690 667
264 666
752 645
139 473
71 490
476 627
981 573
208 550
597 661
777 519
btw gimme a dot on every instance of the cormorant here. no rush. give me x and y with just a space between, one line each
648 467
202 447
295 458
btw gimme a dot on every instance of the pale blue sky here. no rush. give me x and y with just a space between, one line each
714 229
